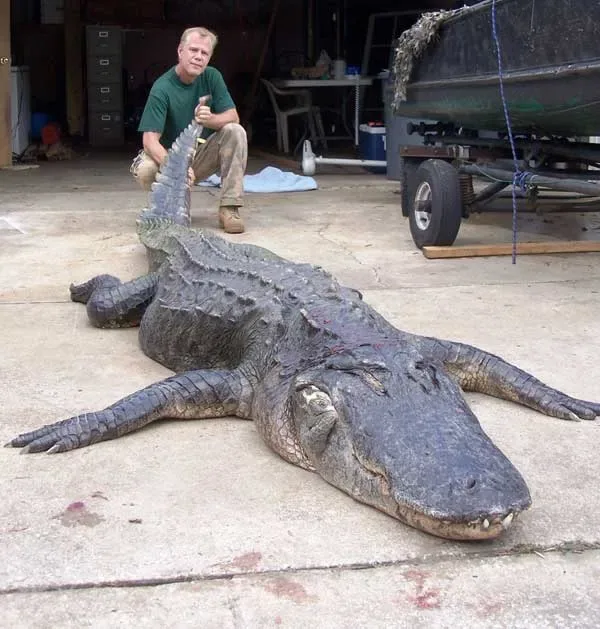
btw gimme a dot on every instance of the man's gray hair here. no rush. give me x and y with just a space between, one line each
202 32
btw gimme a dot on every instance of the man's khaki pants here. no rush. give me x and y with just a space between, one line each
225 152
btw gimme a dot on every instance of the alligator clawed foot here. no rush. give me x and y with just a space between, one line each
57 447
82 292
68 434
572 409
38 446
33 442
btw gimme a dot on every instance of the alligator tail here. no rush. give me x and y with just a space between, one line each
171 192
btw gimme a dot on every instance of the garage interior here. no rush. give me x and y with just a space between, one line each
54 43
198 523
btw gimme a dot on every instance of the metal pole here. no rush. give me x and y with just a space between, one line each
310 161
533 180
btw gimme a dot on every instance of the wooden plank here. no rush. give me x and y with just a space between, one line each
74 66
5 115
523 248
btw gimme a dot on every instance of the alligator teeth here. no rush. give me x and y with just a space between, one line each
486 524
508 520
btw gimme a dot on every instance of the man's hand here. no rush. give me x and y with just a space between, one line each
202 113
191 177
205 117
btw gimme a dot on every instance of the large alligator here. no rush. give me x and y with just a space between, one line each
331 385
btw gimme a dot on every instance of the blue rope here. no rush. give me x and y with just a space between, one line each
520 178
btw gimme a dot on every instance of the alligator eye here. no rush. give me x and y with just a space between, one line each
315 400
311 400
317 421
321 403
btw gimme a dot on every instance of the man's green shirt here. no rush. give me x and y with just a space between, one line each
171 103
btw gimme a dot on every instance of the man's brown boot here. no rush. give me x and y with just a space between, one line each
230 220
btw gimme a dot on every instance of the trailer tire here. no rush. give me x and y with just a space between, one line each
408 170
436 206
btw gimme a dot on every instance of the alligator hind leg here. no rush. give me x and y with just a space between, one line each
198 394
114 304
477 370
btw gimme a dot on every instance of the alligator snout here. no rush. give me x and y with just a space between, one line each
470 510
413 450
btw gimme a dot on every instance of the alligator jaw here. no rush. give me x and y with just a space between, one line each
460 527
483 528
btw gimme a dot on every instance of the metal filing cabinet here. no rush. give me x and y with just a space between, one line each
104 85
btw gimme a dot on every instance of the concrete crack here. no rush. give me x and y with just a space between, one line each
348 252
575 546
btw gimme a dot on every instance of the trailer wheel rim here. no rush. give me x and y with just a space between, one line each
422 206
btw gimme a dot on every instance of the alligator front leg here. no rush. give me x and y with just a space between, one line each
115 304
190 395
480 371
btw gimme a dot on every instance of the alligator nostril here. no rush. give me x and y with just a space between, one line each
471 483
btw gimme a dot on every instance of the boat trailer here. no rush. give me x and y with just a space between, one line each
457 173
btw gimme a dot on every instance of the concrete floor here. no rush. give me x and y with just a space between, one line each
199 524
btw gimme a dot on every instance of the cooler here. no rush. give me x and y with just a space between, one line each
372 143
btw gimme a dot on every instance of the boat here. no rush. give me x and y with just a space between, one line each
446 67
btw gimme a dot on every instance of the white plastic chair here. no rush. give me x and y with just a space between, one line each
302 106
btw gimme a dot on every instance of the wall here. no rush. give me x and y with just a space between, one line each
5 113
151 32
41 47
123 12
242 30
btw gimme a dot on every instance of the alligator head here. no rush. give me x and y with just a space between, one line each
395 432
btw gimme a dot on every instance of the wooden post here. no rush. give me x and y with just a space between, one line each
73 66
5 115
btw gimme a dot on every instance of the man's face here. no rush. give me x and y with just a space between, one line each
195 54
